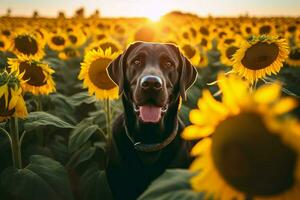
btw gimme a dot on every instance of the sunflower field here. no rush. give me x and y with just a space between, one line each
57 105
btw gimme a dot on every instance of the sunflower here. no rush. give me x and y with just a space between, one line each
115 46
222 33
68 53
5 43
191 52
260 56
57 40
249 145
6 32
204 30
76 39
12 103
247 29
189 34
94 75
266 29
40 33
291 28
27 44
229 40
226 54
99 35
205 43
294 57
37 76
228 47
119 29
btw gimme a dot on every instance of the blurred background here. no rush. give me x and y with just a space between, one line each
63 48
152 9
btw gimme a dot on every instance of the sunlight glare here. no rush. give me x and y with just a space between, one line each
155 9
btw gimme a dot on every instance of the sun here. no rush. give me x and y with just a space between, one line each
155 9
154 17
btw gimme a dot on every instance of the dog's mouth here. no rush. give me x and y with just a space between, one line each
150 113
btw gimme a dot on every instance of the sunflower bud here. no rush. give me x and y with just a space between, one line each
12 103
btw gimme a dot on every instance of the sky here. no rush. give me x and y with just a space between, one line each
154 8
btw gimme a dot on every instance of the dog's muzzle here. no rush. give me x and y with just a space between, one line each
151 82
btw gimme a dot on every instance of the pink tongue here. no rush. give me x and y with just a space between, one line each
150 113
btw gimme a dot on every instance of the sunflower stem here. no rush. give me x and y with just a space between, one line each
15 143
39 103
39 107
253 87
7 134
108 118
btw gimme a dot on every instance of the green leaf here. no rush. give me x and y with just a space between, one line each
2 124
94 185
84 155
59 105
81 135
80 98
43 178
172 185
101 145
40 119
184 114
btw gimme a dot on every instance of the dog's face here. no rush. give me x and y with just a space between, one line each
152 75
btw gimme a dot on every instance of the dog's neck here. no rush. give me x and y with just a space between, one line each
148 133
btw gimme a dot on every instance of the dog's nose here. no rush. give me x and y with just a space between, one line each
153 82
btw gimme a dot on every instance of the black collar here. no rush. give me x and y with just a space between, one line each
139 146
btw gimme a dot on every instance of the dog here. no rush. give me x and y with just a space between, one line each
152 77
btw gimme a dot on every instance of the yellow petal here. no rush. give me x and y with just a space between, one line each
21 110
284 105
193 132
201 146
267 93
213 104
3 90
197 117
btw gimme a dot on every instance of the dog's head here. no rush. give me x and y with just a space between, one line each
152 76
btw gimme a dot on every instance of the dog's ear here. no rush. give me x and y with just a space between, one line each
188 74
116 69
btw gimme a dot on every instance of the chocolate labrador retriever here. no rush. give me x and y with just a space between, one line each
146 137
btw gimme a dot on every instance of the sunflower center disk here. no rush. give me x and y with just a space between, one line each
265 30
229 41
295 54
204 31
26 45
252 159
189 51
260 56
204 42
106 45
248 30
6 32
101 36
231 51
98 74
33 74
73 39
58 40
1 44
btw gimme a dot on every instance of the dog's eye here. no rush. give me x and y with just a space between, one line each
168 64
137 61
